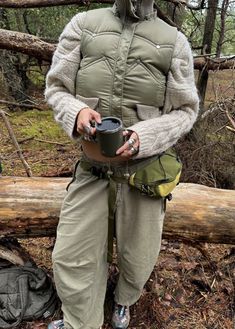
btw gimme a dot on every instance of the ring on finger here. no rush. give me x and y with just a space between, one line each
131 142
87 129
134 150
86 138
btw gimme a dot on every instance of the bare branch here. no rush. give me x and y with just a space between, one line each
185 3
230 119
16 144
45 3
28 106
231 129
9 255
164 17
50 142
214 64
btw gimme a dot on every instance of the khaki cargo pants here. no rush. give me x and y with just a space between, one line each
80 253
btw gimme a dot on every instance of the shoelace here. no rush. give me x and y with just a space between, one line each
121 310
59 324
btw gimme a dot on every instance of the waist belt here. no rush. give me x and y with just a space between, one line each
119 172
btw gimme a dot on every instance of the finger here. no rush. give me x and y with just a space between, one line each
87 129
131 150
127 132
96 116
80 127
84 127
123 148
132 141
128 154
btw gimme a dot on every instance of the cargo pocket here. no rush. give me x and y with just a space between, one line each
146 112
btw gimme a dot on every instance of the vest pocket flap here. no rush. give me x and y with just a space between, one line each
146 112
92 102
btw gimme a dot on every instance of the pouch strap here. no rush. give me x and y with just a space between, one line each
111 218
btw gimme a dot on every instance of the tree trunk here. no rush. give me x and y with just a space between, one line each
223 14
26 44
207 46
11 66
44 3
30 207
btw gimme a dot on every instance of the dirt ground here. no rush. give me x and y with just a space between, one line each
192 285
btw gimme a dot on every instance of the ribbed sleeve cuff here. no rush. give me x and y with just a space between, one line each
74 107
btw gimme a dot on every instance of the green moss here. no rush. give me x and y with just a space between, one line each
38 124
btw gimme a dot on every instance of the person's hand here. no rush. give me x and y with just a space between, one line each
85 119
131 146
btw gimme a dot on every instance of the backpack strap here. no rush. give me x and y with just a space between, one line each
111 218
23 289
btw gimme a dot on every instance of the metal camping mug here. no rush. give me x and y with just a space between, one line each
109 135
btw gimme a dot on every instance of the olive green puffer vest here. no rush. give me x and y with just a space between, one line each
124 67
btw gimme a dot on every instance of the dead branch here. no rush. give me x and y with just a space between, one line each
16 144
33 46
231 129
9 255
201 5
230 119
205 55
28 106
164 17
213 64
26 44
50 142
30 207
46 3
25 140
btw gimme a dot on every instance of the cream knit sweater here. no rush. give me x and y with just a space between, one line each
155 135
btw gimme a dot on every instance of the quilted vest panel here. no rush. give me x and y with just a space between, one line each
125 66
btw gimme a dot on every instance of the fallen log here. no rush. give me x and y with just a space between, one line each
33 46
29 207
26 44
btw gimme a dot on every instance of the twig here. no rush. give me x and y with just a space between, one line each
25 140
205 55
231 129
29 106
50 142
14 140
230 119
9 255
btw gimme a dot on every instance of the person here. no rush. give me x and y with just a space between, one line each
122 62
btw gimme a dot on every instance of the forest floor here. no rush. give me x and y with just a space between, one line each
191 286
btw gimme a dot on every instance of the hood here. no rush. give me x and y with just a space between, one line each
134 9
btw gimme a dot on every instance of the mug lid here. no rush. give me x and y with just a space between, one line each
109 124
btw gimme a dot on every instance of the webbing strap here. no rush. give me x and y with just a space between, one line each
111 218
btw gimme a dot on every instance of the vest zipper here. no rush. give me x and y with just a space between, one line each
119 71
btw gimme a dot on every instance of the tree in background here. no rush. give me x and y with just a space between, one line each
209 25
205 22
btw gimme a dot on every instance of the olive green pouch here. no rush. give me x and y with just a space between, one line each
160 176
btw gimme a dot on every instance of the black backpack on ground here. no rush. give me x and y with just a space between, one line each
26 293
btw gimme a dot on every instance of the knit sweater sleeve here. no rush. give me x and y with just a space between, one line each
181 105
60 90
